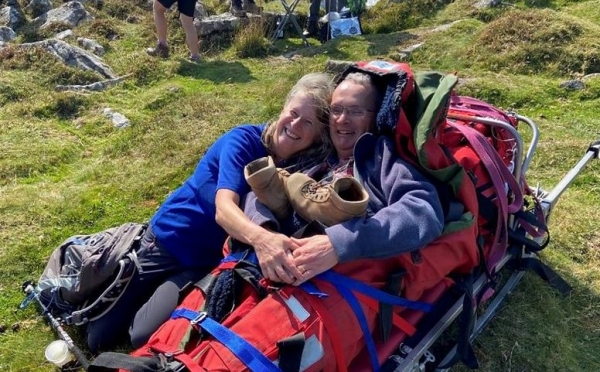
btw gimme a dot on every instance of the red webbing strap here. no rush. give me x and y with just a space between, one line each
334 336
398 321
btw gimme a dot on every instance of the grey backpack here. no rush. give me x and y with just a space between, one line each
86 274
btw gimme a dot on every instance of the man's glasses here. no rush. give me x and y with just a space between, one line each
353 111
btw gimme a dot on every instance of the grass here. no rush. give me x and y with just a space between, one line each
64 169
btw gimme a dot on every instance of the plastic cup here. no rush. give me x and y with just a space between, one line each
58 353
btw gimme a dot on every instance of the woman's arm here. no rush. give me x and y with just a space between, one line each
273 250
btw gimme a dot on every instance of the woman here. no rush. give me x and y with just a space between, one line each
187 233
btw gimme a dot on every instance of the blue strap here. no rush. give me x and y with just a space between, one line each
238 256
381 296
362 320
242 349
184 313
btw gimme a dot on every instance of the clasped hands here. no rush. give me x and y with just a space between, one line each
294 261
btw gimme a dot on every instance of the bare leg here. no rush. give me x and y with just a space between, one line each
160 21
191 34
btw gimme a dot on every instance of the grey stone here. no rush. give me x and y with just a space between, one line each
10 16
73 56
72 13
222 23
91 45
64 35
7 33
573 85
406 52
38 7
444 27
200 11
591 76
118 120
481 4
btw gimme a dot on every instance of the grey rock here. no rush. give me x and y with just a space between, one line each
91 45
573 85
481 4
118 120
444 27
200 11
73 56
72 13
38 7
222 23
10 16
591 76
7 33
406 52
64 35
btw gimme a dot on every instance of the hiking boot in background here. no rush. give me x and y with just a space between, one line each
160 50
329 204
268 183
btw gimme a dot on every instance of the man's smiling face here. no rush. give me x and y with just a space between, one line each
352 114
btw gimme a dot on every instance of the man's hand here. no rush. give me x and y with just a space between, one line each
313 256
275 258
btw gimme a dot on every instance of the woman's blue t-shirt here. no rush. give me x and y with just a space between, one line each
185 223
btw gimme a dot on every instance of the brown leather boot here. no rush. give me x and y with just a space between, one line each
268 183
329 204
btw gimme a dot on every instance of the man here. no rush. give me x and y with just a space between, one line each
186 16
404 212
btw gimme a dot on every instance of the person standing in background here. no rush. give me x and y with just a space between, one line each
186 16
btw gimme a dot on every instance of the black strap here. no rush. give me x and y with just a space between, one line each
290 352
110 362
548 274
464 349
206 283
386 311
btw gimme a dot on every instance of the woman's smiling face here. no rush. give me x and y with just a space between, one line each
297 127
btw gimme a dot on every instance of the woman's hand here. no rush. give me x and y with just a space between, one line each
275 257
313 256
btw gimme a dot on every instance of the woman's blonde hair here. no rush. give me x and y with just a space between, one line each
318 88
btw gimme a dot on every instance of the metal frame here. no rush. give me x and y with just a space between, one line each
289 17
419 356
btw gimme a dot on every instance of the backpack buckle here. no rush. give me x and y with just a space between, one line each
200 318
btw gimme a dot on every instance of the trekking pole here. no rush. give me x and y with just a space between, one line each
81 358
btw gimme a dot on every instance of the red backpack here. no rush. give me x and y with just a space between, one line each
325 325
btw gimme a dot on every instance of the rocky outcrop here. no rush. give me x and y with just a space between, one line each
73 56
7 33
11 16
72 13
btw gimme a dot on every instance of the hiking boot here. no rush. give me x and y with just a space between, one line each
329 204
268 183
160 50
237 11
